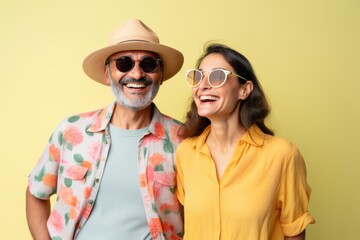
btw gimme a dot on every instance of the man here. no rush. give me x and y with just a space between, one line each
113 169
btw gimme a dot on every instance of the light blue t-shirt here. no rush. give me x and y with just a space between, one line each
119 211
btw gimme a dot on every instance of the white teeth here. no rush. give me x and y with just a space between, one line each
135 85
208 98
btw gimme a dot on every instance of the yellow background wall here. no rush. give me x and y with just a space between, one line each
306 54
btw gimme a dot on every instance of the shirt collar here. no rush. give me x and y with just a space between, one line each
103 116
253 136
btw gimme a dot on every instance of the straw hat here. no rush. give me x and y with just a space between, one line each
133 35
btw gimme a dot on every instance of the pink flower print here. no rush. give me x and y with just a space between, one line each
174 133
76 172
66 196
95 151
159 130
88 114
54 153
73 136
167 227
87 211
149 139
56 221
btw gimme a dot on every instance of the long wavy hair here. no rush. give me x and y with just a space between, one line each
253 110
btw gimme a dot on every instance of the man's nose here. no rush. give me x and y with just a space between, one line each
136 72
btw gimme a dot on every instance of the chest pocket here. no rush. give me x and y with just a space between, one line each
74 176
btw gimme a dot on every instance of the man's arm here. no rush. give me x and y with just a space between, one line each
37 214
301 236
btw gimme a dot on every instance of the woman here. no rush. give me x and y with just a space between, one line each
235 179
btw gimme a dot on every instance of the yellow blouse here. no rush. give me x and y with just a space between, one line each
263 194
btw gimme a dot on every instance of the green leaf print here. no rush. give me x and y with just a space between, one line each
159 168
172 190
40 176
176 121
68 182
87 132
78 158
61 170
73 119
61 138
104 139
88 173
168 146
145 151
66 218
167 211
56 238
40 195
51 137
69 146
153 207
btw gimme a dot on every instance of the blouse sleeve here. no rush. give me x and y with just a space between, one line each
294 195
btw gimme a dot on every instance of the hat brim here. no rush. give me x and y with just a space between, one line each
172 59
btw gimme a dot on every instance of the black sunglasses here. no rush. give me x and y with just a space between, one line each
126 63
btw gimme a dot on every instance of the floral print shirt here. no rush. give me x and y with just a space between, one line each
73 163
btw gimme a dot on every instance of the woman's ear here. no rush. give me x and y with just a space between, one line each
245 90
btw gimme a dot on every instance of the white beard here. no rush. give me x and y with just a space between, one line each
136 104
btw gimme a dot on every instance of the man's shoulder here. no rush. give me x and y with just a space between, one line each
86 118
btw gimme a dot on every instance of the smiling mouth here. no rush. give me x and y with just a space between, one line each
208 98
136 85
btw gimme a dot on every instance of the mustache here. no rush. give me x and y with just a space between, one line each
143 80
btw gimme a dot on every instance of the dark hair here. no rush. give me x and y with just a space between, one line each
253 110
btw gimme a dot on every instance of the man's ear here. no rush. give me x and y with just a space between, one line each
106 75
245 90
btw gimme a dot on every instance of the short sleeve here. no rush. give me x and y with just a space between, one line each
43 178
294 195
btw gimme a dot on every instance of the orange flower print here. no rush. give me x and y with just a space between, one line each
50 180
87 192
156 159
54 153
73 135
73 213
56 221
159 130
142 180
66 196
155 227
86 164
169 207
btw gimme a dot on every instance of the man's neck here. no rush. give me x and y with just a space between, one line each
130 119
